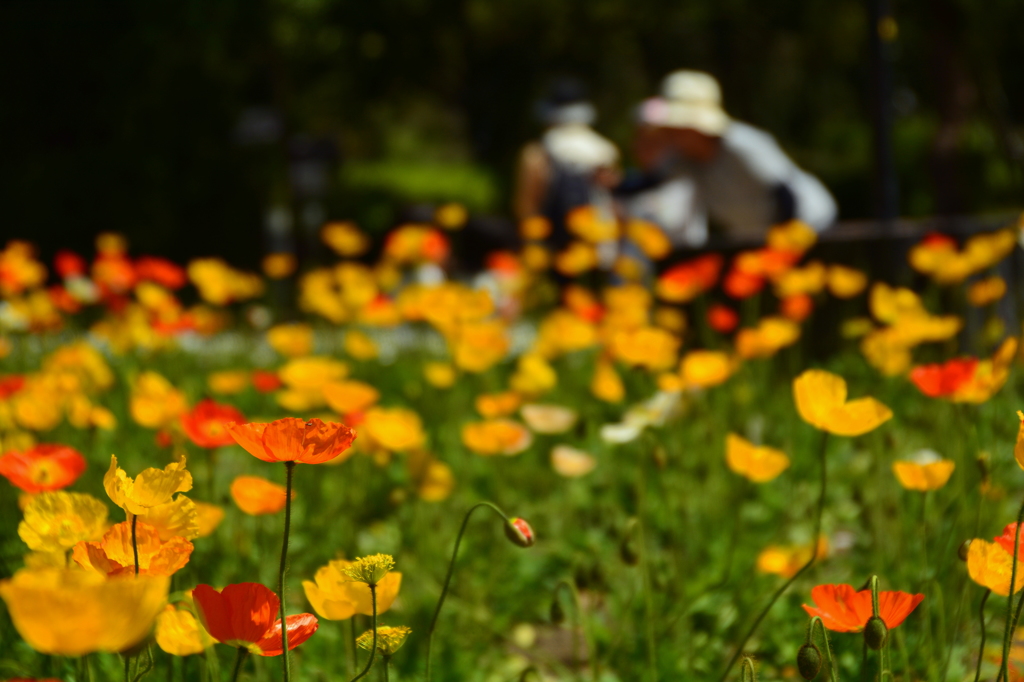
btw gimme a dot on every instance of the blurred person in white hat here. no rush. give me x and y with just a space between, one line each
571 165
701 163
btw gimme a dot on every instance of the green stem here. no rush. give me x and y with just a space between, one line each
350 663
387 660
1008 632
451 569
239 659
373 649
981 620
810 562
290 470
135 543
582 623
645 566
127 677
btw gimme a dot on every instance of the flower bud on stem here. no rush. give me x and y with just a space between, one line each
808 659
747 670
515 526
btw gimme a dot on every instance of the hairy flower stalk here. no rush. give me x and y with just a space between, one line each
373 645
981 647
290 469
135 544
803 569
517 530
240 654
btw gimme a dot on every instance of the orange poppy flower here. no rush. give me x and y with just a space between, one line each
161 271
741 284
206 423
47 466
115 555
843 609
293 440
1006 539
722 318
257 496
242 616
942 380
797 307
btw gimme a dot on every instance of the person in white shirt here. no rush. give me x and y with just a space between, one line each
705 164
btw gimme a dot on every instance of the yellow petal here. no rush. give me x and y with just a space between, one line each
991 566
816 393
857 417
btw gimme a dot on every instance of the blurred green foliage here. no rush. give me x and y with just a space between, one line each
119 115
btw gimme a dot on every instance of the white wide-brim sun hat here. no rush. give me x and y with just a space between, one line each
690 99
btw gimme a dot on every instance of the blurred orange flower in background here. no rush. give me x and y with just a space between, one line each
257 496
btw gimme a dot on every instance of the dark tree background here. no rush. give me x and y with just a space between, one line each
124 115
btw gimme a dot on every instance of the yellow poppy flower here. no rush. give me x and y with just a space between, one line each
345 397
576 259
986 291
821 400
228 382
496 437
389 639
151 488
491 405
533 375
335 596
809 279
345 239
177 518
787 560
439 374
208 517
926 471
393 428
757 463
991 566
436 481
155 402
844 282
56 521
793 235
649 347
179 633
771 335
360 346
68 612
706 368
606 384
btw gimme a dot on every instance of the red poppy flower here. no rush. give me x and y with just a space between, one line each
940 380
722 318
206 424
843 609
161 271
681 283
63 300
48 466
266 381
293 440
1006 539
244 616
11 384
937 240
68 264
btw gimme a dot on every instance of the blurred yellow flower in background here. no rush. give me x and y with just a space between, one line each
228 382
55 521
548 419
925 471
257 496
533 375
291 340
986 291
821 401
757 463
179 633
155 403
496 437
844 282
439 374
491 405
785 561
606 384
345 397
397 429
571 462
345 239
706 368
279 265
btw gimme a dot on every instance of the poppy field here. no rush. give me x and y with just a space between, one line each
749 465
